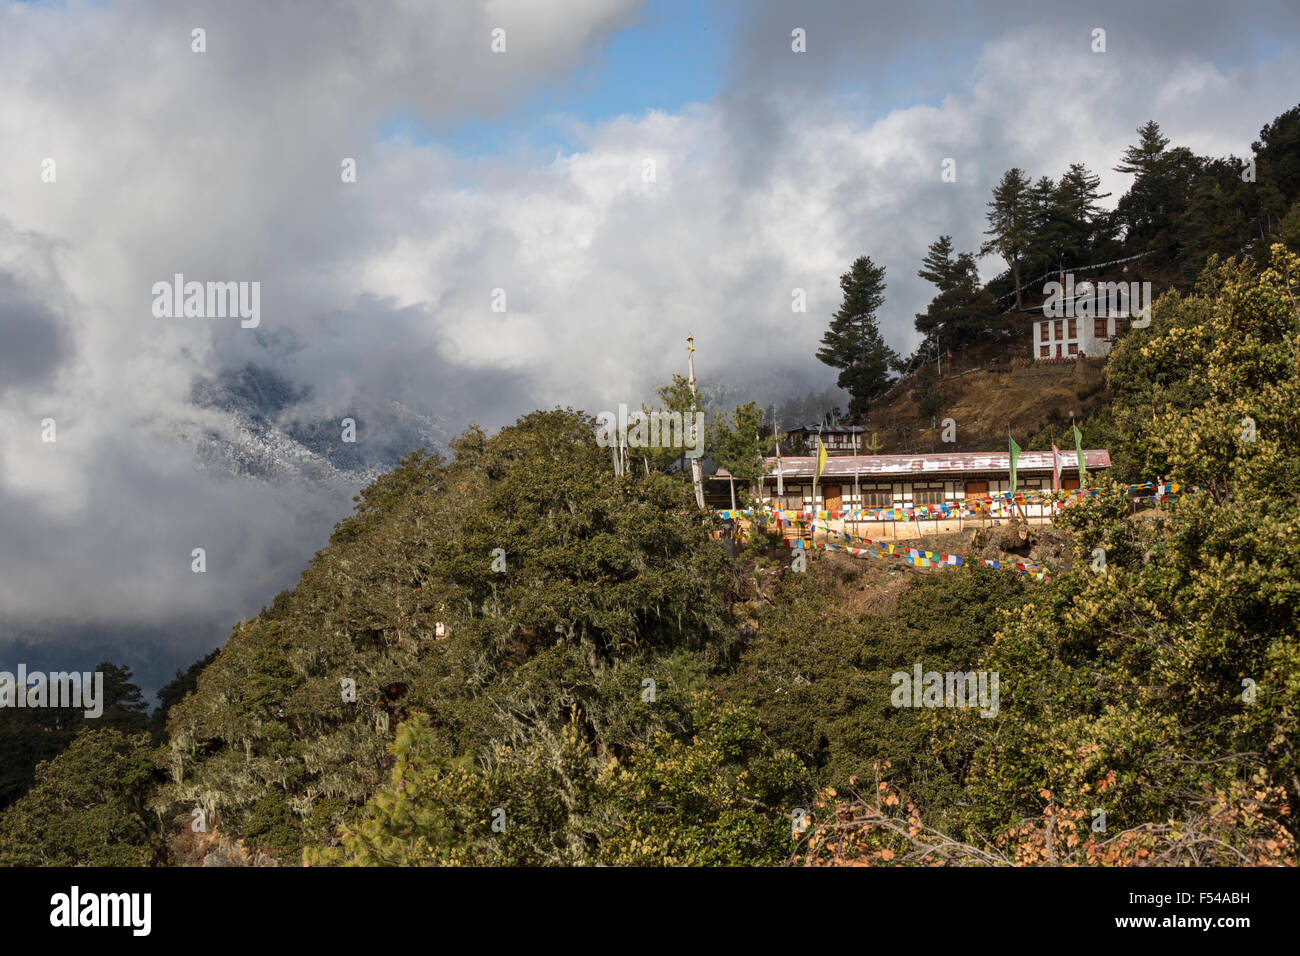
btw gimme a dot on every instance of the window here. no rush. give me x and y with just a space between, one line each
1074 328
1042 331
877 498
927 496
1044 351
1060 328
1070 484
974 488
1074 348
790 502
1099 328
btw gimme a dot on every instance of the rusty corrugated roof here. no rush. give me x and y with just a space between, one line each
902 466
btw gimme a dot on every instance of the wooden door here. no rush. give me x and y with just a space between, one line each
831 497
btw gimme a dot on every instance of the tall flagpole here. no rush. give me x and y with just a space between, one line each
857 467
776 444
696 477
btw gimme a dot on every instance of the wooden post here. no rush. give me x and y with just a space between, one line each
696 477
776 444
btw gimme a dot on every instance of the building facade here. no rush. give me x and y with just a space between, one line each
838 439
1066 338
909 482
1082 324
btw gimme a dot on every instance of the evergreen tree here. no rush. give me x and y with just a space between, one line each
124 704
1010 223
1099 682
1043 249
175 690
1277 160
738 445
674 397
1174 207
1075 207
938 266
962 309
88 807
1143 158
853 343
29 736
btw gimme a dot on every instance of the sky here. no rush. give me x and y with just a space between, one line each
622 174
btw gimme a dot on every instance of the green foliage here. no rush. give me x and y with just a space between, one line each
29 736
676 396
527 805
1010 221
540 646
1137 680
738 445
819 675
175 690
962 311
853 343
604 583
88 807
722 797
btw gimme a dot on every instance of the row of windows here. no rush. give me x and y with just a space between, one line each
1100 329
1045 351
1060 329
887 498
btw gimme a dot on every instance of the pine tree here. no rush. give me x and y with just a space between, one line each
1277 156
1140 210
938 266
962 309
1043 253
1076 207
674 397
1144 157
1010 223
124 705
853 343
738 445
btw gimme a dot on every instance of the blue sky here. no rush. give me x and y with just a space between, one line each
675 54
679 52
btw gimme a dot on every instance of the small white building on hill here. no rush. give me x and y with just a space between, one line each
1086 320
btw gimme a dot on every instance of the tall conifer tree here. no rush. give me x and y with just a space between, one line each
853 343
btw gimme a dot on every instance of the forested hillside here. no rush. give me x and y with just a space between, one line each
516 657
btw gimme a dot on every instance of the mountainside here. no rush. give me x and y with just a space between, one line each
982 404
253 423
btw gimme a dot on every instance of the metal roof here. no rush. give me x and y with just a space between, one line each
829 429
953 463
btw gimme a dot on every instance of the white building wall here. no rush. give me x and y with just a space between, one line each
1055 335
799 495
